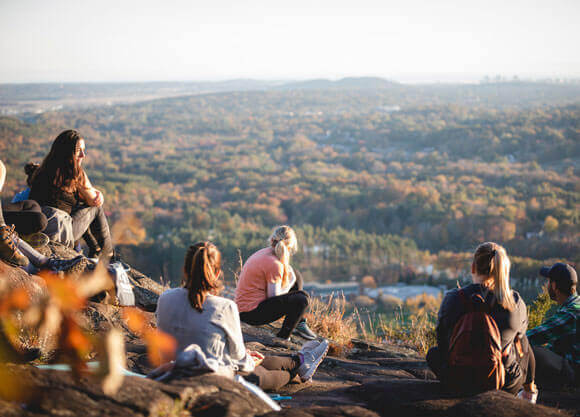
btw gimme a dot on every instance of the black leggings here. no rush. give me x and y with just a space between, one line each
26 216
274 372
292 305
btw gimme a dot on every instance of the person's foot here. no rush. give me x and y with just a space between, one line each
8 247
313 353
62 265
304 331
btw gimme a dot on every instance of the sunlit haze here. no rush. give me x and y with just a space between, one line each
409 41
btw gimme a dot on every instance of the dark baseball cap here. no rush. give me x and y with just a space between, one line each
562 274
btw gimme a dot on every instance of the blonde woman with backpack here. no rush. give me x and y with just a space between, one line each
269 288
481 332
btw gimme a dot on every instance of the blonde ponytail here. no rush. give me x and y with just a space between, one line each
283 254
491 260
284 243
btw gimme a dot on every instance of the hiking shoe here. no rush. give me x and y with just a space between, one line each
36 240
62 265
312 357
8 247
302 330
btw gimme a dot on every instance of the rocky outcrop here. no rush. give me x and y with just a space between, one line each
372 380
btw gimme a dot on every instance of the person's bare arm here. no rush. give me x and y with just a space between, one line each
2 175
90 194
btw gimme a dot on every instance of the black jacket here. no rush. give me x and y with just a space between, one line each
511 324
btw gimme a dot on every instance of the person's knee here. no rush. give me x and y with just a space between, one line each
301 299
42 221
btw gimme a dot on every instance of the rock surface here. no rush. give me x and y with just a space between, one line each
371 380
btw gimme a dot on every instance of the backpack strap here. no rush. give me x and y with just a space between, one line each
476 302
467 304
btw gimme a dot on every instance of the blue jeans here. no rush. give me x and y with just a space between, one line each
84 220
92 219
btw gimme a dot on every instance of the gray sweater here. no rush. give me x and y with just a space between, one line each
216 330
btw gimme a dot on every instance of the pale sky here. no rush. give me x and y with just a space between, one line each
406 40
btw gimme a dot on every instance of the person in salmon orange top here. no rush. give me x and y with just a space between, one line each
269 288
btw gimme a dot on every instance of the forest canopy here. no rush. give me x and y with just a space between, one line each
391 182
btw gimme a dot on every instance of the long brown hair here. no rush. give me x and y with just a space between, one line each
60 167
491 260
202 273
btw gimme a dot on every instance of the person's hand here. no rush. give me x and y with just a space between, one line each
99 199
157 372
529 393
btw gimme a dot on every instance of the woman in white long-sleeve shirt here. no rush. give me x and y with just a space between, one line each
195 314
269 288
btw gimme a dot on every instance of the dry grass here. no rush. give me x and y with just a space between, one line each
423 303
328 320
417 331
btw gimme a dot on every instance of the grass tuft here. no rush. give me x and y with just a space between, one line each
328 320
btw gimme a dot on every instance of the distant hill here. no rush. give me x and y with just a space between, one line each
361 83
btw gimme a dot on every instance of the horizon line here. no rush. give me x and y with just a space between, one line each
446 79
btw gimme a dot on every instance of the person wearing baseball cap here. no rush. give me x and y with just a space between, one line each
556 342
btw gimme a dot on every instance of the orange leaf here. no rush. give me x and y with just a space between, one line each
64 292
161 347
20 299
135 320
74 338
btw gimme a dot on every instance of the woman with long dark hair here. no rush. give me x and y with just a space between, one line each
74 208
195 314
491 293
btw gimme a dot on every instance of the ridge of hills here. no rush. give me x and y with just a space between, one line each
72 95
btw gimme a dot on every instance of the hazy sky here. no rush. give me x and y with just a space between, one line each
406 40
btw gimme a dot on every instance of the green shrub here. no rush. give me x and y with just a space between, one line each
538 310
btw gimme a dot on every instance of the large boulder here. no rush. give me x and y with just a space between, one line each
51 393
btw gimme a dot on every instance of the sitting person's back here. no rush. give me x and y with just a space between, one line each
511 324
215 329
491 351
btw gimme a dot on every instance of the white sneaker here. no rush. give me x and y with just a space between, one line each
313 353
310 345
